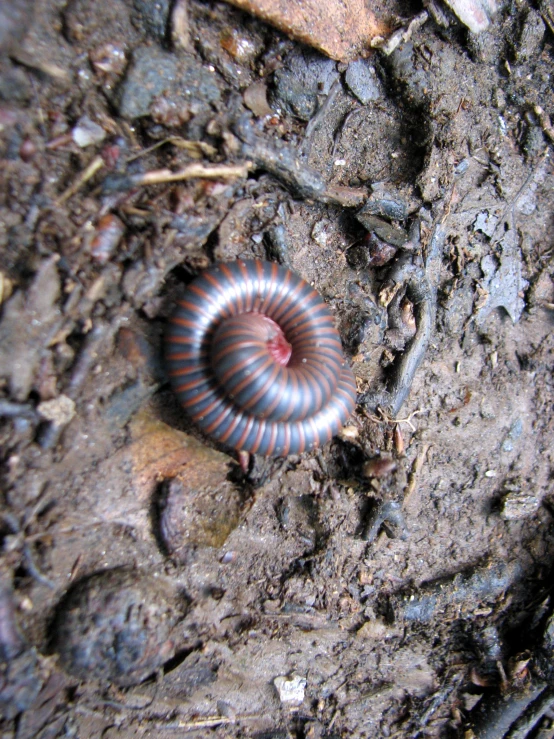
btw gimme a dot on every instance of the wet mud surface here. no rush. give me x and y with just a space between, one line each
395 582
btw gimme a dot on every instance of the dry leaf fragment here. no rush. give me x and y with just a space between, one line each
341 29
155 452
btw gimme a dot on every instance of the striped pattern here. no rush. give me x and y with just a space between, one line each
219 359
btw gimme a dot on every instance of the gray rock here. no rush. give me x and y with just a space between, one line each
362 81
187 87
516 430
87 132
475 14
30 319
519 504
385 204
533 142
303 76
116 625
112 25
457 308
152 73
152 17
386 231
486 223
14 83
15 19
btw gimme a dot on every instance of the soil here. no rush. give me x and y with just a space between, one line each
395 582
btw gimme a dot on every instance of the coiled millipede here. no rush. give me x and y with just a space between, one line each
255 360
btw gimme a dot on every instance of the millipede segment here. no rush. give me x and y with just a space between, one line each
255 360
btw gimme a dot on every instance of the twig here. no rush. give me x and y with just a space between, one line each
408 419
546 18
338 135
389 44
194 148
384 416
512 716
193 171
415 472
437 701
10 409
283 162
180 26
11 641
41 65
17 530
421 287
208 722
90 352
101 333
32 568
389 511
318 118
96 165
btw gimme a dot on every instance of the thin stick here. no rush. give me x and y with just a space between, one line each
192 171
96 165
192 147
414 474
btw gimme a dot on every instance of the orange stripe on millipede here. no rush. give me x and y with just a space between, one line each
258 439
210 428
249 378
231 430
270 380
245 433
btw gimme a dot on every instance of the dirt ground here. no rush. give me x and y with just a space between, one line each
394 583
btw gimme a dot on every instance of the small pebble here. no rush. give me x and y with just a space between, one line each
320 232
27 150
108 59
87 132
486 223
152 17
362 81
255 98
531 37
291 690
108 234
303 77
376 628
58 411
518 505
349 433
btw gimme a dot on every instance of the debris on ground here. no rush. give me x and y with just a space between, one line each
343 32
394 582
502 285
291 690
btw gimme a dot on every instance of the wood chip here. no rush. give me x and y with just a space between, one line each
344 30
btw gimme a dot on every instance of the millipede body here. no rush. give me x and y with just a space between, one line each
255 360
